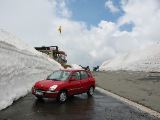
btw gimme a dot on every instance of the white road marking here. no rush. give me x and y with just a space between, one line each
131 103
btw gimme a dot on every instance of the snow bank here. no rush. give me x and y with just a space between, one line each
75 67
146 59
15 41
20 67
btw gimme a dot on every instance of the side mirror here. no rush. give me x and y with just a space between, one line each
72 79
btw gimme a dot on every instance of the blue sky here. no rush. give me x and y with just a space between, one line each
127 27
93 11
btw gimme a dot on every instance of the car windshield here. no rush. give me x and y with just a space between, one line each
59 75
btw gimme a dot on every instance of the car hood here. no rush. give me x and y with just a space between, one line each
46 84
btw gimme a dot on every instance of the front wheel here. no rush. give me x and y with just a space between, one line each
90 92
39 98
62 97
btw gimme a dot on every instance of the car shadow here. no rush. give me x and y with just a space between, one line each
79 104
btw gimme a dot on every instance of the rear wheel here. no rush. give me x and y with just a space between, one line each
62 97
90 92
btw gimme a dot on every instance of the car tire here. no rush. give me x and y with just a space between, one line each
70 97
39 98
62 97
90 92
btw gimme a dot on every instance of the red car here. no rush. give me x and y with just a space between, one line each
64 83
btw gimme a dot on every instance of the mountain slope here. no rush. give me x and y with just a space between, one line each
146 59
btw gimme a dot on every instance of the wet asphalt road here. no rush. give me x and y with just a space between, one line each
80 107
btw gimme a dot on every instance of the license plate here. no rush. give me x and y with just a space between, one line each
39 93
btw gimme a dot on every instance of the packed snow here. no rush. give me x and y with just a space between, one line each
144 59
75 67
20 67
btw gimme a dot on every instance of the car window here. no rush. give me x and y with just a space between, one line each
89 74
84 75
76 75
59 75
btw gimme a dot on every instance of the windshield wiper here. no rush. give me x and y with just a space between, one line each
55 79
52 79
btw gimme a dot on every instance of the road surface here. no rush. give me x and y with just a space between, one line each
80 107
141 87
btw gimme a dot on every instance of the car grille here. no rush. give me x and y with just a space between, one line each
39 90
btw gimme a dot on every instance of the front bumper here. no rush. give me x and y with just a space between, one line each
43 93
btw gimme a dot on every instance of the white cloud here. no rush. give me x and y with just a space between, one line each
36 21
62 9
109 5
29 19
145 15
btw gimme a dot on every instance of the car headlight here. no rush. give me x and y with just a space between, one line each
52 88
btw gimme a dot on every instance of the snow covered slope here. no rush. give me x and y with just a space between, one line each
75 66
20 66
146 59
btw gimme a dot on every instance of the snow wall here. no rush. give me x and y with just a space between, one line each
20 67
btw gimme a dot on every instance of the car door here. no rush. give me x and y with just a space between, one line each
84 80
74 84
